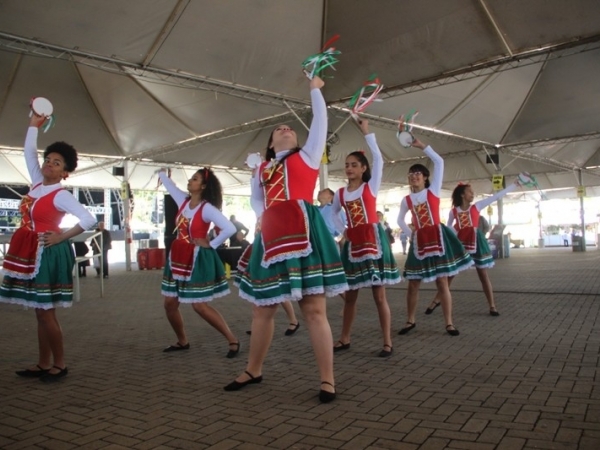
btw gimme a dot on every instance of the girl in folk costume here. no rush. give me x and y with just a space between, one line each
293 257
465 217
194 273
39 262
367 256
435 252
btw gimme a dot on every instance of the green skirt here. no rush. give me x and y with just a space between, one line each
371 272
320 272
52 287
454 260
207 280
482 257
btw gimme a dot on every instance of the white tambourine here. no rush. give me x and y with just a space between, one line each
254 160
405 138
41 106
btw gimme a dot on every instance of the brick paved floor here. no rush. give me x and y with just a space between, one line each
524 380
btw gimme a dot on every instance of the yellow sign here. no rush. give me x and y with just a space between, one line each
580 191
490 210
124 190
497 182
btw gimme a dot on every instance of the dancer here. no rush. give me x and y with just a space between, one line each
294 256
194 273
367 254
39 262
435 253
465 218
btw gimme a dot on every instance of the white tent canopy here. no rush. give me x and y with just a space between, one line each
190 83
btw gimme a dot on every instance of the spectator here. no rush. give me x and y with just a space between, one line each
106 246
241 230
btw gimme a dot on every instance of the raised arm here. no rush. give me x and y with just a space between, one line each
437 177
312 152
178 195
377 168
497 196
336 209
31 156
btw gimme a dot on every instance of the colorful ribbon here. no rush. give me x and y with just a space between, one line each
49 123
528 180
409 119
317 63
366 95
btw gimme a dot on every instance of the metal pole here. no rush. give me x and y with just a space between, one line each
126 213
581 212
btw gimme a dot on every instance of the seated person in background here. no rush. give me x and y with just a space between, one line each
241 230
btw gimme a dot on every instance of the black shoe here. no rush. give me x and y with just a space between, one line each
50 377
237 385
32 373
494 313
342 346
453 332
405 330
430 310
291 331
326 396
233 353
385 353
177 347
249 333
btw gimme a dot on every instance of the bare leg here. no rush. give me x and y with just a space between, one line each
51 333
412 298
263 324
385 316
446 300
215 320
291 314
486 284
315 315
175 319
436 300
349 314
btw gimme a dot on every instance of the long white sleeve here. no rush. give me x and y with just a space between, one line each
65 202
451 219
402 218
493 198
31 156
312 152
257 196
437 178
211 214
177 194
377 168
338 223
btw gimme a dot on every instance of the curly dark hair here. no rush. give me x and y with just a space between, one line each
65 150
457 194
424 170
362 159
213 192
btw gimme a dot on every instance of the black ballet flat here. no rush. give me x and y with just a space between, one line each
385 353
27 373
291 331
342 346
430 310
494 313
237 385
405 330
50 377
454 332
233 353
326 396
177 347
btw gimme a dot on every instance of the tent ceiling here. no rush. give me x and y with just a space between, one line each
193 83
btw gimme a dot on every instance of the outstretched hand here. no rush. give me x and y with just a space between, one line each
316 82
364 125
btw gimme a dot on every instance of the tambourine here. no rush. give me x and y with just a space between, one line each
406 139
41 106
254 160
